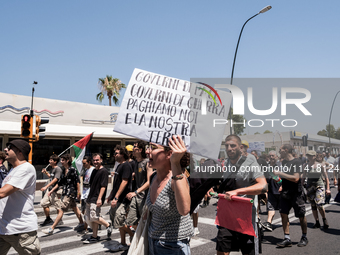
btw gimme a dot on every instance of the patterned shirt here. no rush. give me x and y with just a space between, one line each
166 222
69 183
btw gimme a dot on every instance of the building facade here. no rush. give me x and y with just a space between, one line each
68 123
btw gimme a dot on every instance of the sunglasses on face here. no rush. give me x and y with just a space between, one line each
9 147
151 147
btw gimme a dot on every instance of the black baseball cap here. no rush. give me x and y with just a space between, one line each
22 146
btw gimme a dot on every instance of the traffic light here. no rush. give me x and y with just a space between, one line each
26 126
38 129
304 140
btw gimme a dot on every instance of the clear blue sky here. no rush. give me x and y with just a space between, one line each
67 45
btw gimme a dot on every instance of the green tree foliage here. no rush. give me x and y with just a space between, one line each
330 130
238 129
337 133
267 132
110 87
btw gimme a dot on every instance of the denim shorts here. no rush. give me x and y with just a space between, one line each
161 247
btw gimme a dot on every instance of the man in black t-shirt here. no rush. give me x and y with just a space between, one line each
292 195
274 185
119 203
142 175
96 198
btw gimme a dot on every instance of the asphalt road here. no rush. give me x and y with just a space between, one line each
66 241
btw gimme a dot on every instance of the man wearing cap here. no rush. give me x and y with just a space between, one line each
245 152
18 224
315 186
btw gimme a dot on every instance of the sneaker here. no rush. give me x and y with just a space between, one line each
48 231
79 227
82 233
267 226
208 200
60 223
204 205
109 230
120 247
285 243
47 221
92 239
196 231
303 242
316 225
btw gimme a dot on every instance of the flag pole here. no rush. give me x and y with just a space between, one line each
65 151
60 155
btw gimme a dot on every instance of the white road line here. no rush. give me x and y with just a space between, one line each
91 248
197 241
65 240
207 221
292 217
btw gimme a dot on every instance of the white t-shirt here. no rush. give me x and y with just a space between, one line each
17 210
87 177
331 161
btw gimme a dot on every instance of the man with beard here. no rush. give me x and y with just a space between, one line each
96 198
18 221
142 175
119 203
249 183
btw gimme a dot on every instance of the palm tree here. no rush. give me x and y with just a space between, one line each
109 86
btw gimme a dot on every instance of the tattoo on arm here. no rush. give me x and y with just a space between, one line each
264 189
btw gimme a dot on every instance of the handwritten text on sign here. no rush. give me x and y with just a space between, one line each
156 107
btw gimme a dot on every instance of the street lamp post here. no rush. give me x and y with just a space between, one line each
329 124
267 8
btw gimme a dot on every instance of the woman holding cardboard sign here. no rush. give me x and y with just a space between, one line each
168 199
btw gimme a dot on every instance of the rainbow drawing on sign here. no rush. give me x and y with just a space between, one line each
204 98
209 93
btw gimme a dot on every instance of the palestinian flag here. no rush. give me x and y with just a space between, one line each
79 149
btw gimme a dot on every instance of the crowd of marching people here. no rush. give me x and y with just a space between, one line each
152 187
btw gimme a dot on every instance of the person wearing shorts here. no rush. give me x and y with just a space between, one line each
96 198
292 195
51 198
141 173
119 202
18 221
71 190
86 174
273 200
316 172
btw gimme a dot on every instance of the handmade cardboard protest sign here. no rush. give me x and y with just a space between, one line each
155 107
